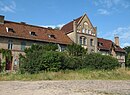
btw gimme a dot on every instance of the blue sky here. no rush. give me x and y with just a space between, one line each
112 17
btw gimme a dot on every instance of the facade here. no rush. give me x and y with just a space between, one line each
18 36
107 47
81 31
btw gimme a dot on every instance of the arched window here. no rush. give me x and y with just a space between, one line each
85 41
10 44
91 42
80 40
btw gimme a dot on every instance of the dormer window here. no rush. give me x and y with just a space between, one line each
10 29
100 44
51 36
32 33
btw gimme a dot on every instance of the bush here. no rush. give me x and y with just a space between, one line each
98 61
72 63
41 61
76 50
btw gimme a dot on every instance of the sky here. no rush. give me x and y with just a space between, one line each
112 17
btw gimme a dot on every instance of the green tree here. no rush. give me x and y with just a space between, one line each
5 54
127 49
76 50
128 60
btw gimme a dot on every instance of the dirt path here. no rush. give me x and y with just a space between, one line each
88 87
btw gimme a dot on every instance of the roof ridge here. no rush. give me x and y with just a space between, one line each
28 25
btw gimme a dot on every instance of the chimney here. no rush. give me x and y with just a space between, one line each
1 19
117 40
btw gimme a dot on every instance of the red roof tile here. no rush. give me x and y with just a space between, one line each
67 28
106 44
21 31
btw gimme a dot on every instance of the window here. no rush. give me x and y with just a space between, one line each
51 36
100 44
85 25
9 29
32 33
87 31
83 30
91 42
80 41
84 41
10 44
23 44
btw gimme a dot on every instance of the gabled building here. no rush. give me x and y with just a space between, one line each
107 47
82 32
18 36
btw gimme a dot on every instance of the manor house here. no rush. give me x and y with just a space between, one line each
16 36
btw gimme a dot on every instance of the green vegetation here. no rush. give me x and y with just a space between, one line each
99 62
45 58
83 74
6 54
46 63
127 57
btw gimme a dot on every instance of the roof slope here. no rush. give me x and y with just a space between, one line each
22 31
67 28
107 45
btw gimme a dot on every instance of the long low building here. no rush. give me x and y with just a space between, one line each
18 36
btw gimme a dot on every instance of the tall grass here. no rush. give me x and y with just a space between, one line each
84 74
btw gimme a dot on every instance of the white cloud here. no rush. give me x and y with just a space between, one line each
124 35
111 5
8 7
53 26
103 12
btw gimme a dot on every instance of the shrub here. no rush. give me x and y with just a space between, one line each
76 50
72 63
98 61
39 58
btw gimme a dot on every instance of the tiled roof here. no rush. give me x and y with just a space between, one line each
67 28
22 30
119 49
108 44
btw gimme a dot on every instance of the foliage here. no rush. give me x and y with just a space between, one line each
76 50
98 61
127 49
45 58
39 58
6 54
72 63
128 60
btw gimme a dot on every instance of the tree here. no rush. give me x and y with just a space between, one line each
127 49
128 60
5 54
76 50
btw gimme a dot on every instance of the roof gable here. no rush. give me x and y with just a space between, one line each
67 28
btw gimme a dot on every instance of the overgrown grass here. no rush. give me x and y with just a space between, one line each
84 74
